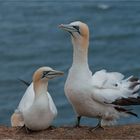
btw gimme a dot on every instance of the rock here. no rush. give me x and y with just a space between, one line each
113 132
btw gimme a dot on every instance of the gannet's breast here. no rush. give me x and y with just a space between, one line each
52 105
29 110
41 113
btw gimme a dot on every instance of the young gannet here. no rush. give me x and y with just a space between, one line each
36 109
102 94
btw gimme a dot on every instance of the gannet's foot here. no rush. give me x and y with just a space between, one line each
51 127
28 131
77 126
18 129
24 128
78 122
96 128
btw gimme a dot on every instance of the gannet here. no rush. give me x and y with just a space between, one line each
36 109
100 95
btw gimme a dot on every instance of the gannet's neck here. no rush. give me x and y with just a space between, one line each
40 88
80 52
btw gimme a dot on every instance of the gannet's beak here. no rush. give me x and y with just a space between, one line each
51 74
69 28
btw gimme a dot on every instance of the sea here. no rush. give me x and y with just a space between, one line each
30 38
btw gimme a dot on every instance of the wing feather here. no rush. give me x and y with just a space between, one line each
111 86
27 99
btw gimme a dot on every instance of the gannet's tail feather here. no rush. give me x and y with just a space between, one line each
127 101
134 85
123 110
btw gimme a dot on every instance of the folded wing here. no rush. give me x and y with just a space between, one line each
111 87
27 99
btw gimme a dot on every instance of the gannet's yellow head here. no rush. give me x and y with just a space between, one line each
45 73
41 77
79 32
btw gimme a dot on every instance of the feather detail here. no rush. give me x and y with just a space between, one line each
120 109
127 101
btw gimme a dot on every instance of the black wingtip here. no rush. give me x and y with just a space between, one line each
134 84
120 109
133 79
127 101
24 82
132 113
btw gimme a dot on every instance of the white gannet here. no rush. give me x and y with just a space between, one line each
102 94
36 109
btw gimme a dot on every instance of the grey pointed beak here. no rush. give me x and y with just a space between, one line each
54 73
68 27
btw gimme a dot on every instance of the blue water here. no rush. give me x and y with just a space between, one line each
30 38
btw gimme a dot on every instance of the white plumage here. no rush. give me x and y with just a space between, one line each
36 109
95 95
108 87
27 99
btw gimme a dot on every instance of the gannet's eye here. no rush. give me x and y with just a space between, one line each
45 73
77 28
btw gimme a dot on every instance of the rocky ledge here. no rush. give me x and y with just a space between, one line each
113 132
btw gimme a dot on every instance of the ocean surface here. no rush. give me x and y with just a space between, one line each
30 38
